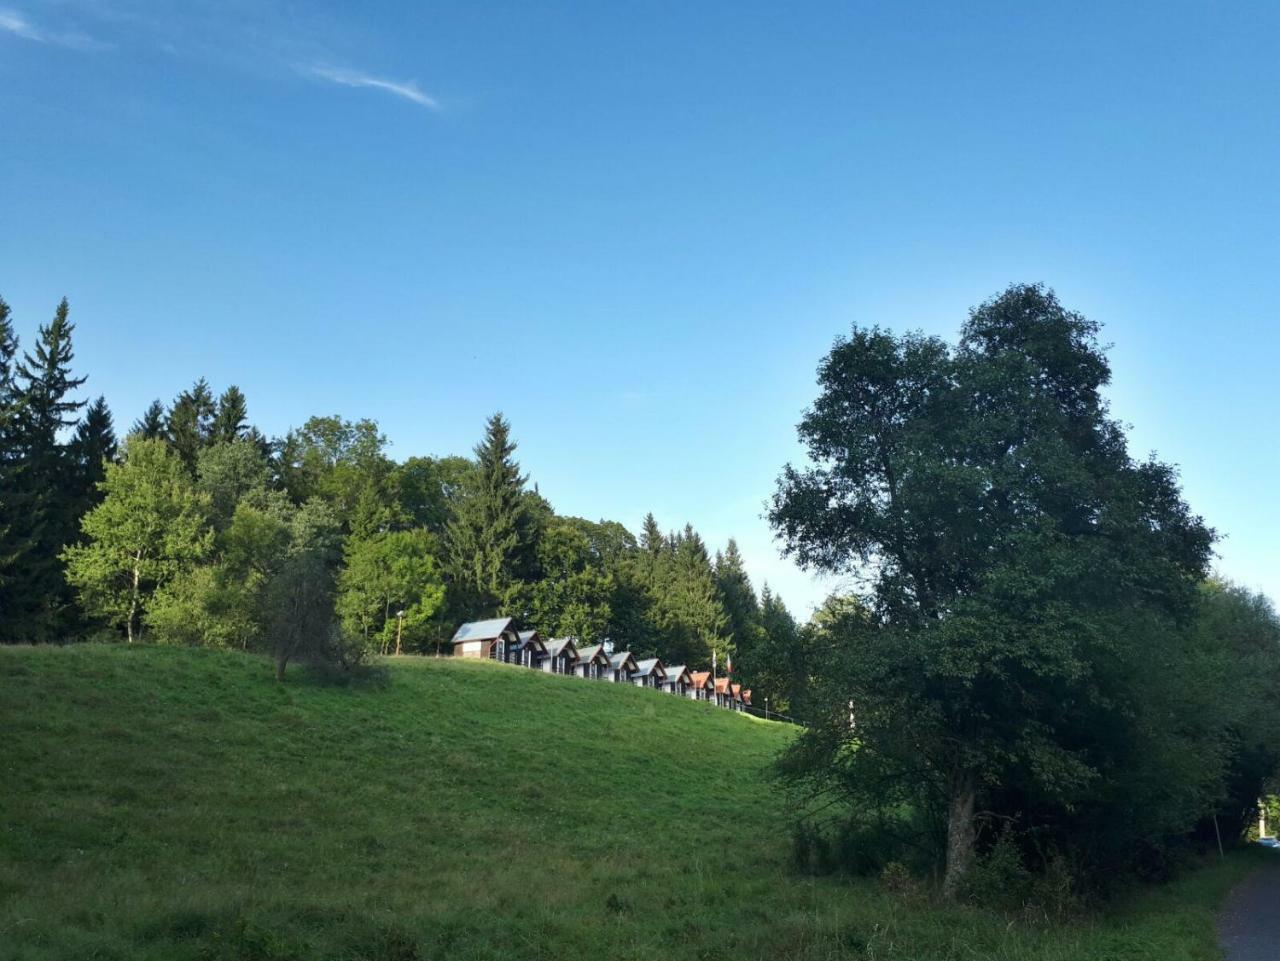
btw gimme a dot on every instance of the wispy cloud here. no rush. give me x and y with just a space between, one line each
355 78
14 22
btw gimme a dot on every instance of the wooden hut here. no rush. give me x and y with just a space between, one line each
649 673
735 696
493 638
529 651
678 681
700 688
593 663
724 696
621 667
562 655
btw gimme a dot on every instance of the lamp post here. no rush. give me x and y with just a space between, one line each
399 627
766 709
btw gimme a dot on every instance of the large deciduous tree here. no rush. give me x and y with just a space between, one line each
150 527
390 589
1007 543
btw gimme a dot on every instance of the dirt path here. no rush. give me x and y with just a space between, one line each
1249 927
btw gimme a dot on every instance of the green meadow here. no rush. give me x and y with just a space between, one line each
165 803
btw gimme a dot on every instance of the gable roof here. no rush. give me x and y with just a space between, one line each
650 665
620 659
700 678
483 630
746 696
557 645
735 690
531 639
722 685
594 653
678 673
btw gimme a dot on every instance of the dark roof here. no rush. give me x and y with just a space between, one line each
593 653
528 638
483 630
650 665
556 645
676 672
619 659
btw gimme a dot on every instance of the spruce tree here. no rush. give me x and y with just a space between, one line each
490 537
15 539
93 445
151 425
232 417
651 537
739 599
190 423
46 481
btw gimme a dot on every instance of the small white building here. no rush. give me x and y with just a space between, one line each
700 686
678 681
621 667
562 655
529 651
649 673
593 663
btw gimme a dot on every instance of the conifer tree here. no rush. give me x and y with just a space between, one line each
14 538
46 482
232 417
190 423
739 599
151 425
93 445
490 538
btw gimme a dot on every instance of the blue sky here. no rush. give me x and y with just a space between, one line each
635 227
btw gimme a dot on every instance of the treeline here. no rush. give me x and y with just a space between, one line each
198 529
1039 682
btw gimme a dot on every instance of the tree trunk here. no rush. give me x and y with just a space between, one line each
282 660
961 833
133 598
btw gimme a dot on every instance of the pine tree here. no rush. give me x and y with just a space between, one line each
93 445
232 417
739 599
46 481
151 425
15 541
490 537
190 423
651 537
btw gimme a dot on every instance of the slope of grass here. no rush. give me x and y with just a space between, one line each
178 804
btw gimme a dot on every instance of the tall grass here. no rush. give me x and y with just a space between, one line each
179 804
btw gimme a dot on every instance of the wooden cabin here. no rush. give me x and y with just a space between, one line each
746 698
494 638
621 667
700 688
678 681
593 663
562 655
735 696
649 673
530 651
724 696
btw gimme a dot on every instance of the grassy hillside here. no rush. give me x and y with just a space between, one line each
173 804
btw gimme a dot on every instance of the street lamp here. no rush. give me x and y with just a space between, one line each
399 627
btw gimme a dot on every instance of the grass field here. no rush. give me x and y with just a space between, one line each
179 804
